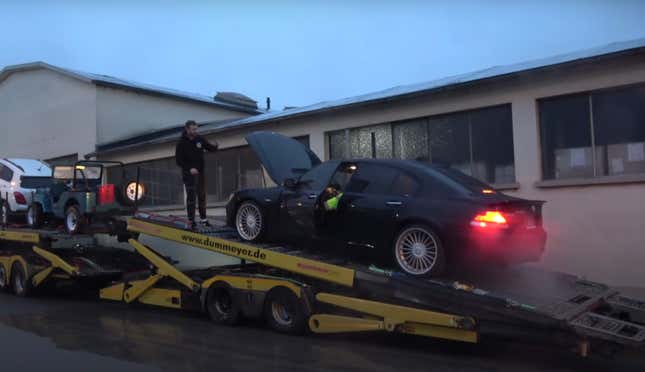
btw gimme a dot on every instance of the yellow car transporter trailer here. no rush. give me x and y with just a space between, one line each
288 285
31 259
296 290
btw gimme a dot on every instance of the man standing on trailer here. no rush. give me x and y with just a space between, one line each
189 155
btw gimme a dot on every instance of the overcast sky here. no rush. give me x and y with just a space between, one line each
303 52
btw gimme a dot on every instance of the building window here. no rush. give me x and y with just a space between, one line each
477 142
593 134
230 170
161 179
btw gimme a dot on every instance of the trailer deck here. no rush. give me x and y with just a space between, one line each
335 295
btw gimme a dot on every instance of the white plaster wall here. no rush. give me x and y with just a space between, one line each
44 114
121 114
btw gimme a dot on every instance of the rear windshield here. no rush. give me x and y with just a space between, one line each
470 183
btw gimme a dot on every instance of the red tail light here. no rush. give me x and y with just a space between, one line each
20 199
490 219
106 194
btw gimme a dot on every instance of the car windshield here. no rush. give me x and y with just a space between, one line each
87 172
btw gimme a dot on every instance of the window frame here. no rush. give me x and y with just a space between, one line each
426 119
595 179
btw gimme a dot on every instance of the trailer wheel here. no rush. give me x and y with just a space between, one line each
3 278
284 312
221 304
20 283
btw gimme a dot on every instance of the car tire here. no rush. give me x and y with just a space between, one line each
418 251
74 219
221 305
20 283
250 222
284 312
5 210
35 217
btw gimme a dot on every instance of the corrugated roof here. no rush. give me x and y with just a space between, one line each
423 88
110 81
150 138
444 83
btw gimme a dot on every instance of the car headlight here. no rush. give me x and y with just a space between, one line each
134 190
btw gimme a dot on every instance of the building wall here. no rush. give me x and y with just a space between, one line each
44 114
594 231
121 113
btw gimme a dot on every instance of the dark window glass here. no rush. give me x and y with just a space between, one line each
411 140
5 173
230 170
405 185
450 141
566 137
372 179
371 142
161 179
464 180
250 175
492 144
619 130
318 177
338 145
476 142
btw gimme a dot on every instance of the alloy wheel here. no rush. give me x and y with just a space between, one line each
249 221
416 251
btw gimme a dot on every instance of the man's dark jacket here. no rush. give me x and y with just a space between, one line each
190 153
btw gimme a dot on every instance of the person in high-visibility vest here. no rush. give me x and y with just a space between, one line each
332 196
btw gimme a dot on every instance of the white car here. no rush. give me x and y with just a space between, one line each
15 199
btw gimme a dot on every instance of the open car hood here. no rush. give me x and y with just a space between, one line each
282 157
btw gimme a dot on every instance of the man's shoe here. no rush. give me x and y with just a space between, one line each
205 223
192 226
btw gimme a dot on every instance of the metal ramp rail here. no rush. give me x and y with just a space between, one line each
573 305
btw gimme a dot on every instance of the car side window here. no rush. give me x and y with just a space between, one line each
372 179
318 177
405 185
6 174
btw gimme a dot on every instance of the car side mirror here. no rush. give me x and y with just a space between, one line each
290 183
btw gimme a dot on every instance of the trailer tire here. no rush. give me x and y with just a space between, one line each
221 304
20 283
284 312
3 279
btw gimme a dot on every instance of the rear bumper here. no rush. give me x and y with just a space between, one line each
511 247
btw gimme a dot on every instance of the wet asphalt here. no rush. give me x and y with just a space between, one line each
80 334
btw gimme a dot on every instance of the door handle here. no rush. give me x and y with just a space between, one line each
312 196
394 203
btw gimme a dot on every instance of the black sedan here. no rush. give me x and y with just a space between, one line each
411 215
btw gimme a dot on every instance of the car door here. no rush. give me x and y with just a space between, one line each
301 201
368 210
